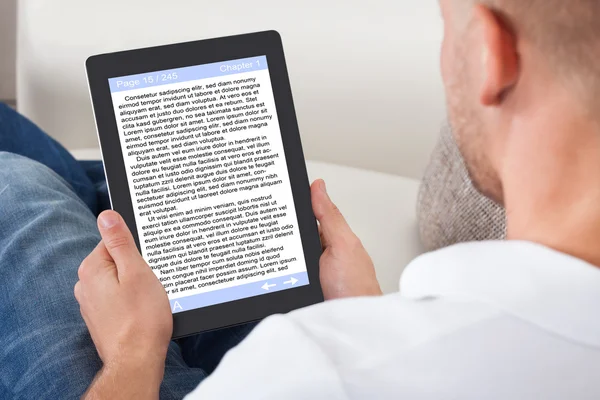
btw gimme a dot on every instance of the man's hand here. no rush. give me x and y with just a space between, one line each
346 268
127 312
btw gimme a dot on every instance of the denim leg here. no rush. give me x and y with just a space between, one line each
20 136
95 171
45 232
206 350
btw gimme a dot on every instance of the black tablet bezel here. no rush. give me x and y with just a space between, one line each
101 68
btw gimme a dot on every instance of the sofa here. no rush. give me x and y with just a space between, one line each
365 79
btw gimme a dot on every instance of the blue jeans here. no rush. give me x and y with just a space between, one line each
48 205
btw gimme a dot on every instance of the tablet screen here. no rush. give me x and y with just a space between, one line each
209 182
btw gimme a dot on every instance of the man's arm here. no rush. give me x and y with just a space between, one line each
126 382
127 312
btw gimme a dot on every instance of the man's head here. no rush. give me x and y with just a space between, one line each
510 66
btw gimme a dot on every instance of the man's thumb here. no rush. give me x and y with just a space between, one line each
333 224
118 239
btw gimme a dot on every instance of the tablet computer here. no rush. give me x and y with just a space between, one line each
204 162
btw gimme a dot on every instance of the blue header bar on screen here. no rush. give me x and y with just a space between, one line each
186 74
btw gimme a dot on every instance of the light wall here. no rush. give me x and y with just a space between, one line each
8 29
365 74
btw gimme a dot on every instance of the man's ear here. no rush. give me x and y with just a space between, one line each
499 56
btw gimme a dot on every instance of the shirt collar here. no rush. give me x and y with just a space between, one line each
552 290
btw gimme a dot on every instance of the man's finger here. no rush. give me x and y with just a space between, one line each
98 263
77 291
332 222
118 240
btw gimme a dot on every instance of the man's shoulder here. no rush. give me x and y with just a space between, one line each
448 345
391 346
364 328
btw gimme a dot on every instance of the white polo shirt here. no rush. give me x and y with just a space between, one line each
493 320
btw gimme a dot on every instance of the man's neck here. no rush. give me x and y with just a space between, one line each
552 187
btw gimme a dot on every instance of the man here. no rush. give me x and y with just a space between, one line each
491 320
